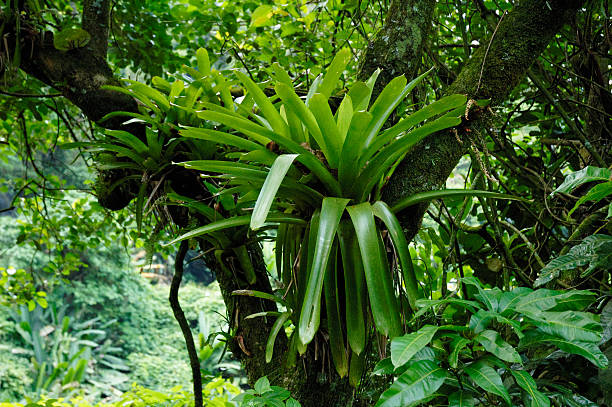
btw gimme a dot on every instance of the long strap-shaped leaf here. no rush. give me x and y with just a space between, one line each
267 108
263 136
331 212
335 69
446 193
383 303
292 101
235 222
220 137
354 286
443 105
375 169
325 119
387 101
270 187
334 320
278 324
351 149
383 212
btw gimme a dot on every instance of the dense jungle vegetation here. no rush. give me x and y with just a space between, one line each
305 203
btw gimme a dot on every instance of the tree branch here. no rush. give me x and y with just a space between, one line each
396 48
521 37
96 19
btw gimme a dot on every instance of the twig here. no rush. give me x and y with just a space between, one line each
30 95
179 315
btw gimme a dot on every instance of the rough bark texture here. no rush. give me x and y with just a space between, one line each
397 47
492 72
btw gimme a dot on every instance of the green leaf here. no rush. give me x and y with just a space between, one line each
526 382
71 38
270 187
382 211
417 383
456 345
262 385
220 138
335 69
595 194
260 294
570 325
334 320
235 222
354 283
460 399
383 106
331 212
588 350
351 150
261 15
431 110
360 96
488 379
387 157
294 103
325 119
552 300
203 61
269 111
383 303
344 118
278 325
403 348
391 96
383 367
587 174
494 343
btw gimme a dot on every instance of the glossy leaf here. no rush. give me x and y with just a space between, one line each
334 321
269 111
382 211
276 327
331 211
526 382
488 379
235 222
383 303
417 383
460 399
405 347
495 344
354 283
270 187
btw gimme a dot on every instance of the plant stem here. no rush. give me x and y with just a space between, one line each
179 315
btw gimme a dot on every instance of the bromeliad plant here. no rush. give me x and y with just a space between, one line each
300 160
493 355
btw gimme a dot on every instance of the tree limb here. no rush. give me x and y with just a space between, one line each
96 19
522 35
